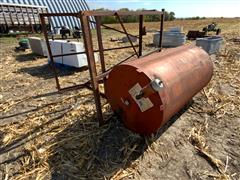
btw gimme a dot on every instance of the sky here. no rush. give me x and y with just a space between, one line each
181 8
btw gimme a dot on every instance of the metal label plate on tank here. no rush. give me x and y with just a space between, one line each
143 103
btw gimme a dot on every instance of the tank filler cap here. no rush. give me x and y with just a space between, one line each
157 84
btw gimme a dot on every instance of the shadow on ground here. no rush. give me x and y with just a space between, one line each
27 57
45 71
82 150
100 154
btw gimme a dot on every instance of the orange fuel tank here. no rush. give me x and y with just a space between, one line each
148 91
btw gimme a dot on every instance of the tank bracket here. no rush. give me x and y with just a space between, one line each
154 86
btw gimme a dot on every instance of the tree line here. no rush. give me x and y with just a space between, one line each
169 16
192 18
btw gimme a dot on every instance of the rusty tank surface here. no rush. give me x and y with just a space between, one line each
148 91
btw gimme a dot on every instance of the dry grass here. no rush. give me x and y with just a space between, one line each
219 101
61 138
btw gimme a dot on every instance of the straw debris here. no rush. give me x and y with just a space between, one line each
57 136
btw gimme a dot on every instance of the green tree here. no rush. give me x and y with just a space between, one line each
171 16
166 16
128 19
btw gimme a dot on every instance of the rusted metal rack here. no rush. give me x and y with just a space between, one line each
96 79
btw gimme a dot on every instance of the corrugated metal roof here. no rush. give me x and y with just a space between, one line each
57 6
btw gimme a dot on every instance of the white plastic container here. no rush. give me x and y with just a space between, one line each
78 60
38 46
64 47
57 49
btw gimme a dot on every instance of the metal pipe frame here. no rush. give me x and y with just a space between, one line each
114 29
96 79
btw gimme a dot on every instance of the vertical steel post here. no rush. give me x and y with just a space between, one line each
49 50
100 47
140 35
91 63
161 30
49 22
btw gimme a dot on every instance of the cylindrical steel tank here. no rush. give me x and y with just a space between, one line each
148 91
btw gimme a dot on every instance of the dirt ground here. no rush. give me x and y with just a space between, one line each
47 135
